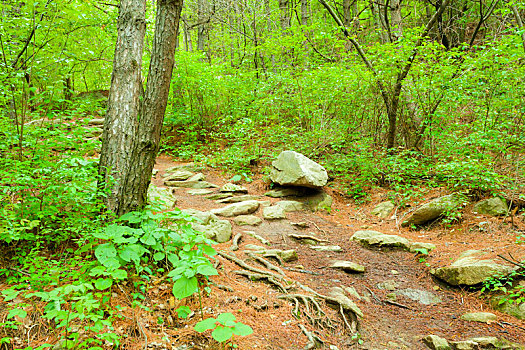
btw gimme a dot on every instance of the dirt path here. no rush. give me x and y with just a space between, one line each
389 322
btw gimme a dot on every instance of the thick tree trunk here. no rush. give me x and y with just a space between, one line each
155 99
124 102
347 12
396 19
201 29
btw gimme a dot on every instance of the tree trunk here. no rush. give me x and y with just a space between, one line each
124 102
201 29
285 14
347 12
304 12
153 108
396 19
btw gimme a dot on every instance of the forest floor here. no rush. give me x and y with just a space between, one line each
385 325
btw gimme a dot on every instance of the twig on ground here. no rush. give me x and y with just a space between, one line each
397 304
379 301
259 276
302 271
301 237
266 263
313 340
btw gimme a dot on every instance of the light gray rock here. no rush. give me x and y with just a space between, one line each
319 201
179 175
388 285
286 255
97 121
383 210
247 220
212 227
235 209
483 317
289 206
190 184
421 296
273 213
465 345
493 206
415 246
513 309
200 192
352 292
434 209
435 342
189 167
375 238
348 266
292 168
229 187
470 270
327 248
284 192
162 196
237 199
216 196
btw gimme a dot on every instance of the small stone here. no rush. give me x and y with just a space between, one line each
483 317
388 285
394 272
348 266
493 206
327 248
391 296
179 175
229 187
289 206
288 255
236 209
273 213
383 210
216 196
421 296
247 220
465 345
301 224
435 342
200 192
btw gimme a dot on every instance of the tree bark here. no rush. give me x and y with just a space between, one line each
519 22
396 19
124 103
347 12
304 12
284 7
153 108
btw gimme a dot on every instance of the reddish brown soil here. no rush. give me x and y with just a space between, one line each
384 326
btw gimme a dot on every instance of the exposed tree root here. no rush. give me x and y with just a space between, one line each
304 237
235 242
248 267
259 276
313 340
266 264
311 310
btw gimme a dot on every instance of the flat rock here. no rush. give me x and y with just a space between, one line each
493 206
375 238
189 167
200 192
418 246
327 248
247 220
237 199
190 184
294 169
212 227
388 285
179 175
229 187
284 192
348 266
484 317
433 210
163 196
421 296
273 213
217 196
235 209
383 210
289 206
435 342
470 270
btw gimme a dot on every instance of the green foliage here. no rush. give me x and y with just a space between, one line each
224 327
508 286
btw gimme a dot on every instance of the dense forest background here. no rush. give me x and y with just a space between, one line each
406 95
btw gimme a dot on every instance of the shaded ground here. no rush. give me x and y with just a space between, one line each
384 326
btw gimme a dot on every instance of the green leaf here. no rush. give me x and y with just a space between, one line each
133 217
10 294
105 252
183 311
206 324
17 312
226 318
103 283
207 270
159 256
184 287
242 329
119 274
148 239
222 334
208 250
